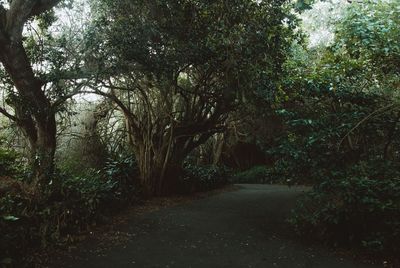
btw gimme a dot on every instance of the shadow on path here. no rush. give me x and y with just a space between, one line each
243 228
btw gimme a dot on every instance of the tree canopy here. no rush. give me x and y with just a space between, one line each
104 103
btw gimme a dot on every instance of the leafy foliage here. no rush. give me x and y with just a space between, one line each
203 178
27 224
9 165
359 207
341 122
183 66
370 33
175 73
257 174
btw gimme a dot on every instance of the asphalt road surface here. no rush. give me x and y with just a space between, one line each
242 228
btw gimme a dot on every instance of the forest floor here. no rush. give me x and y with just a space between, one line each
243 227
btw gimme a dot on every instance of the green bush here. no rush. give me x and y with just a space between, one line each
360 207
203 177
9 166
125 171
83 201
257 174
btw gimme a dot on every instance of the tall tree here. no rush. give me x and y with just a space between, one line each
184 65
34 112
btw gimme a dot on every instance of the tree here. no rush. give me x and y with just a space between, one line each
32 77
34 113
369 34
183 66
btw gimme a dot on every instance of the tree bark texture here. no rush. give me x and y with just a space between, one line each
34 113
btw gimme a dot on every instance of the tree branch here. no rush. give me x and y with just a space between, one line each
8 115
63 99
43 6
20 12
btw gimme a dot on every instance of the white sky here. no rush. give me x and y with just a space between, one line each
317 22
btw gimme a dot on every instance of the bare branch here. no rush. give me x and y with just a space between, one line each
8 115
77 90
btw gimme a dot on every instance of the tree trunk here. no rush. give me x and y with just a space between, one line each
219 142
34 112
40 132
160 171
44 150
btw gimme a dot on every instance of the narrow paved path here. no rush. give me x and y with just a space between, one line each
243 228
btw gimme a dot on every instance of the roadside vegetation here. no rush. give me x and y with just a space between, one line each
106 103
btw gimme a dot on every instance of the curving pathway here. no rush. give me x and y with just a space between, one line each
243 228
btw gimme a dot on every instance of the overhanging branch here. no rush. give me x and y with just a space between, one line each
20 12
8 115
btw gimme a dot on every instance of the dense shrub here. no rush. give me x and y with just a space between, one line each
341 120
359 207
26 223
257 174
203 177
9 165
125 171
